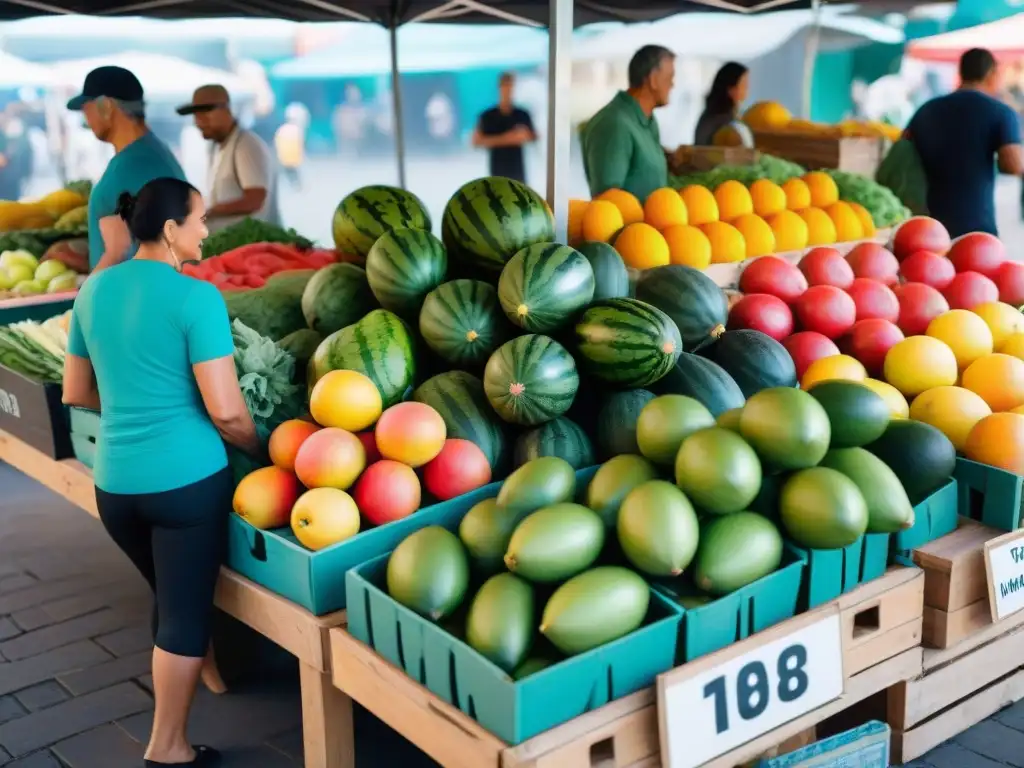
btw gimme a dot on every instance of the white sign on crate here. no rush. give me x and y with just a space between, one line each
1004 564
719 702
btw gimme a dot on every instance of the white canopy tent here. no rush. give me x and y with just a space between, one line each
17 73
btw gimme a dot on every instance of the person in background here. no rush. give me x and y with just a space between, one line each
290 145
622 143
961 138
242 177
503 131
728 90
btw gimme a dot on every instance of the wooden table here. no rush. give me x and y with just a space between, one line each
326 711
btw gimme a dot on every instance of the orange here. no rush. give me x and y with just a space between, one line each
627 204
688 246
733 200
1002 319
601 220
848 226
767 116
963 332
998 440
790 231
919 363
641 246
822 187
820 229
345 399
798 195
866 222
286 439
952 410
768 197
701 206
757 235
898 408
664 208
1014 345
999 379
577 208
833 367
727 245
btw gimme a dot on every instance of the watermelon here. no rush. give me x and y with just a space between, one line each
626 342
490 220
543 285
459 398
753 359
336 296
692 299
461 321
703 380
366 214
616 421
379 346
530 380
611 280
562 438
403 266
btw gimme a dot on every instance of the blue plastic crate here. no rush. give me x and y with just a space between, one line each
989 495
864 747
85 428
933 518
834 572
514 711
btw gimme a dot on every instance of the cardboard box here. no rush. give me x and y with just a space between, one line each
32 411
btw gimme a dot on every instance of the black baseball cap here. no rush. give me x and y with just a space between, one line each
111 82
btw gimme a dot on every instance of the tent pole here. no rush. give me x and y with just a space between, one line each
396 95
812 44
559 130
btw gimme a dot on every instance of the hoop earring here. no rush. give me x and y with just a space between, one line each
170 250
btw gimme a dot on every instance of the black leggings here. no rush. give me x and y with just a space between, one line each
177 539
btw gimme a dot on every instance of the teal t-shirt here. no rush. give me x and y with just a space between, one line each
136 165
143 325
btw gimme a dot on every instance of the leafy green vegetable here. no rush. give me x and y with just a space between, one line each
82 186
767 167
885 207
249 231
265 374
34 350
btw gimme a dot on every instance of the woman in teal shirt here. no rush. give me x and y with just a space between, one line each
151 349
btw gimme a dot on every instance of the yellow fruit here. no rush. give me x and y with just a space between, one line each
952 410
577 208
767 116
963 332
727 244
848 226
1014 345
1002 319
822 187
998 379
641 246
768 197
701 206
601 220
866 222
790 231
920 363
898 408
688 246
820 229
733 200
834 367
345 399
798 195
757 235
664 208
628 205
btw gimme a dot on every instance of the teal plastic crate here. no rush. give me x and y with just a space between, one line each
747 611
933 518
514 711
834 572
989 495
85 428
36 308
864 747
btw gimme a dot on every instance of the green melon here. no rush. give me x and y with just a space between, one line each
538 483
544 285
429 572
555 543
703 380
530 380
718 471
366 214
692 299
736 550
462 322
921 456
755 360
336 296
617 420
403 266
858 415
560 437
665 422
822 508
500 622
657 528
611 280
787 427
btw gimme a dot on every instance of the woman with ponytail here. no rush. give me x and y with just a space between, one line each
151 350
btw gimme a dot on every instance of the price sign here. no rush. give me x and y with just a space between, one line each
1004 565
715 704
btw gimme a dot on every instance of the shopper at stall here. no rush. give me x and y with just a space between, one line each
728 91
242 174
151 350
621 143
961 138
503 131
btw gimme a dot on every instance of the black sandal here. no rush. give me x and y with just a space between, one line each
206 757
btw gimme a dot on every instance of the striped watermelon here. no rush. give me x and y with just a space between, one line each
378 346
611 280
459 398
491 219
562 438
544 285
705 381
462 322
336 296
403 266
616 421
627 342
369 212
530 380
692 299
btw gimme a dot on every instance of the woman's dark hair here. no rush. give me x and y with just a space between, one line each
159 201
718 100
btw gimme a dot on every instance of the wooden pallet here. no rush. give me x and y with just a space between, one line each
882 618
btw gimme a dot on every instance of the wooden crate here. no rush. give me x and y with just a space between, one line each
853 154
882 618
698 159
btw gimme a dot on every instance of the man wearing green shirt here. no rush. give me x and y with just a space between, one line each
621 143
